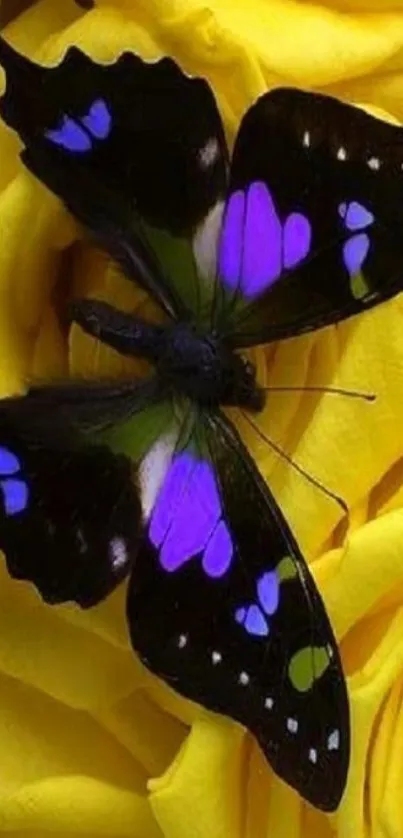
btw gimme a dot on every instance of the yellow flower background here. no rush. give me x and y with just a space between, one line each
90 743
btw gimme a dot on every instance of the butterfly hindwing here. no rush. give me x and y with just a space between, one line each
70 513
311 229
222 606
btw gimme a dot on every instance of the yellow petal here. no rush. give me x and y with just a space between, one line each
63 669
201 793
75 804
151 735
81 669
34 751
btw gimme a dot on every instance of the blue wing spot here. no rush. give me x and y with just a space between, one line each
252 617
253 620
15 495
14 489
356 217
355 252
98 120
240 615
77 134
9 463
70 136
268 591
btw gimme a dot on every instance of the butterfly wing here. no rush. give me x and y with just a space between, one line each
310 231
135 149
70 513
312 227
222 606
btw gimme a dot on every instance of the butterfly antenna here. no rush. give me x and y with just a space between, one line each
334 391
309 477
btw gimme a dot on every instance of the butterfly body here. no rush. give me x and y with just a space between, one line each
202 368
188 361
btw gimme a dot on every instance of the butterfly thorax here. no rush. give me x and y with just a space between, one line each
188 361
203 368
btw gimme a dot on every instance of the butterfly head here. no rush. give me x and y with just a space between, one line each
240 388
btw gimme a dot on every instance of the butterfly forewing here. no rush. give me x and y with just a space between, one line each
222 606
136 151
305 233
311 230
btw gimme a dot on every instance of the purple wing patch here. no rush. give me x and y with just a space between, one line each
261 242
187 519
218 553
230 246
254 246
253 617
297 240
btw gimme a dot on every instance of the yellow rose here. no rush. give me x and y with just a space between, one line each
90 742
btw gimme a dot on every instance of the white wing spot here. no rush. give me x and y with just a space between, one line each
306 139
182 640
341 153
153 470
81 540
313 755
292 725
333 742
209 153
374 163
244 679
205 245
118 552
216 657
269 703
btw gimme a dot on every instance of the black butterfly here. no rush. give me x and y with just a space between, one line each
301 229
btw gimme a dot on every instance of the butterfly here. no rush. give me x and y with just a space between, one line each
149 479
